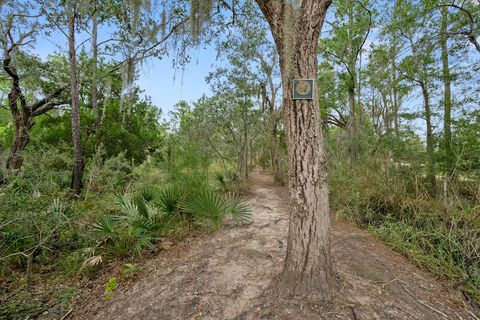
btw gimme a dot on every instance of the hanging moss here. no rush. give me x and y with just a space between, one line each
128 76
200 14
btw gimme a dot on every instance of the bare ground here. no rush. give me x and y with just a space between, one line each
228 275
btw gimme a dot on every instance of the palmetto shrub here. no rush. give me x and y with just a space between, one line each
168 199
213 208
135 226
142 218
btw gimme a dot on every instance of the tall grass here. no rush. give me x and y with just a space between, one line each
389 199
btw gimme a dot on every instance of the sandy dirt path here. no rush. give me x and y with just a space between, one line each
228 275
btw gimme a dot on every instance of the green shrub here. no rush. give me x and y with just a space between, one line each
212 207
135 226
169 200
207 206
390 201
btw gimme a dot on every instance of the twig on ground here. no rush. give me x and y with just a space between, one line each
66 314
423 303
472 314
384 285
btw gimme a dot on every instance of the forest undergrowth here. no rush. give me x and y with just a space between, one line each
440 232
126 212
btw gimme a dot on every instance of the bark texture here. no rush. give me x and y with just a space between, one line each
307 270
77 171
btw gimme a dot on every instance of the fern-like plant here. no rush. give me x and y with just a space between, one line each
106 227
169 200
220 182
207 205
135 226
240 211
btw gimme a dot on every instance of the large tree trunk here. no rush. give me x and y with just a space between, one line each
307 270
449 156
77 171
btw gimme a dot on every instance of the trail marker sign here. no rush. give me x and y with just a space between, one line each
303 89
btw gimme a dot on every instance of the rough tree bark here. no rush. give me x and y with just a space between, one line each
307 269
77 171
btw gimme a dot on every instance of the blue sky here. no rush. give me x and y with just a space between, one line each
157 78
167 86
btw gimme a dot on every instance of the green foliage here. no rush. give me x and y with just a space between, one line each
239 210
206 205
212 207
226 181
134 227
390 200
169 199
110 286
106 174
129 269
35 232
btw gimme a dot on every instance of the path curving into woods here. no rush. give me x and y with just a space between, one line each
227 275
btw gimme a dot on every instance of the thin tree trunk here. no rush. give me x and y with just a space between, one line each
77 171
359 93
308 267
21 115
352 131
353 117
20 141
275 149
430 165
386 113
447 97
394 87
277 175
95 108
430 161
395 106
